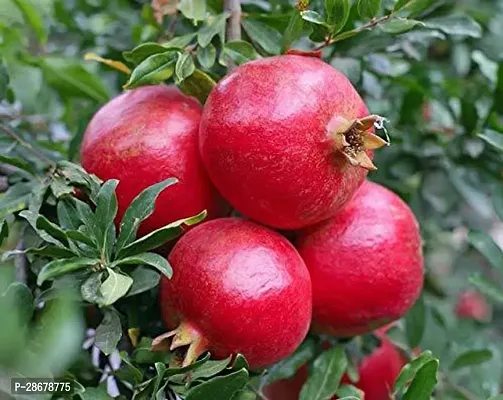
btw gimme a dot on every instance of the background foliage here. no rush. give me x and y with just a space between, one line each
433 68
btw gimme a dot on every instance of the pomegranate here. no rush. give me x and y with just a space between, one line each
472 305
287 140
237 287
144 136
377 371
366 263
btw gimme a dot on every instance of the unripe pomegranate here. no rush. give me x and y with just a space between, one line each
237 287
366 263
472 305
144 136
287 140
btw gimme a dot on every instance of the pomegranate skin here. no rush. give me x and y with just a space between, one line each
265 140
366 263
144 136
473 305
241 288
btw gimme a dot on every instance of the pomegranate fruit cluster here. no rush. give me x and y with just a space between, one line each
288 143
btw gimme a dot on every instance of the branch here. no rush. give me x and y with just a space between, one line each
41 156
233 7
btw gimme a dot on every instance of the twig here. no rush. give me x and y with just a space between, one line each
233 30
461 390
41 156
348 34
257 392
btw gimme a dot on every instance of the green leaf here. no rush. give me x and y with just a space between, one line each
20 295
95 393
289 366
401 4
337 13
180 42
4 80
15 199
4 231
415 322
215 25
487 287
60 188
327 373
267 38
33 18
60 267
472 357
494 138
154 260
240 51
221 388
497 197
81 237
153 70
184 67
409 371
139 210
143 51
128 372
114 287
313 17
90 289
400 25
106 210
293 30
109 332
159 237
17 162
461 25
67 215
206 370
206 56
193 9
198 85
488 248
424 382
143 279
349 392
51 229
368 8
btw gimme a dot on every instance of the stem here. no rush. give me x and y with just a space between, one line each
233 31
346 35
257 392
27 145
460 390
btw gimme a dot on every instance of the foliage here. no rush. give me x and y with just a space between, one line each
432 67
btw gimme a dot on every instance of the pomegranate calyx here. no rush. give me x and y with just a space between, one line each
184 335
352 139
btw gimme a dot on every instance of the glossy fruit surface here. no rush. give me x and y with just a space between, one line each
366 263
237 287
279 136
144 136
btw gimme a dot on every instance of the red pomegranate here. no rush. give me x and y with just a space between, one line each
366 263
377 371
237 287
144 136
472 305
287 140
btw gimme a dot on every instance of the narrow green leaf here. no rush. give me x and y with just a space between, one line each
472 357
67 215
60 188
494 138
266 37
313 17
349 392
143 51
397 26
32 218
108 332
415 322
207 370
128 372
60 267
424 382
293 30
198 85
487 287
337 14
140 209
153 70
368 8
184 67
206 56
151 259
4 231
409 370
327 373
90 289
33 18
52 229
17 162
240 51
106 210
497 197
95 393
143 279
401 4
4 80
461 25
159 237
488 248
180 42
114 287
193 9
215 25
15 199
221 387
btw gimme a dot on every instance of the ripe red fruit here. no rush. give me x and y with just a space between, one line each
237 287
472 305
366 263
144 136
287 140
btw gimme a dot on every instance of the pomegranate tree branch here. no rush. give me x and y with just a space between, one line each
233 31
